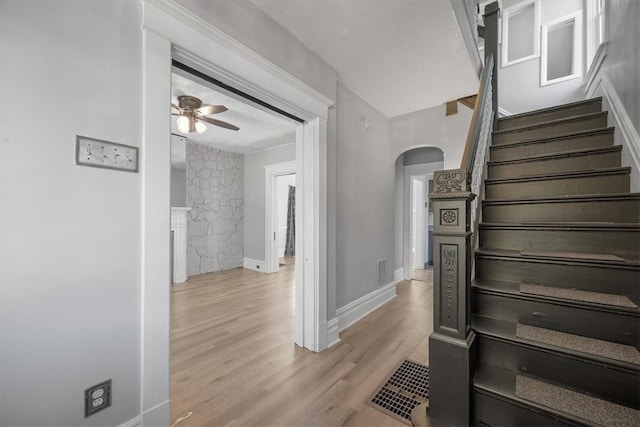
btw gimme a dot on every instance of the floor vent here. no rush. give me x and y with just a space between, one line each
405 389
382 272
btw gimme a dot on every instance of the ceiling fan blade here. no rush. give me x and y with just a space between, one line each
205 110
176 107
218 123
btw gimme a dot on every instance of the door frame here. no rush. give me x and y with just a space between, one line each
167 30
271 245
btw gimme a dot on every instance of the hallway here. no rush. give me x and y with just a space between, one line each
234 362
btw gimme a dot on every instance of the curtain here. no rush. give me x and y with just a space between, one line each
290 245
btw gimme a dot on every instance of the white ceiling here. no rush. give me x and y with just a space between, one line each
259 129
398 55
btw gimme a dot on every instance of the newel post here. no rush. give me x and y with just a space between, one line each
452 343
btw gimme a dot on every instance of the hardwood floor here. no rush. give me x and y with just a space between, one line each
234 362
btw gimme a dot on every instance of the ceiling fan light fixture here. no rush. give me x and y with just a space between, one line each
200 127
183 124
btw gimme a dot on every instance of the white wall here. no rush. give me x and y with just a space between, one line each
365 197
519 87
431 128
254 186
70 247
282 203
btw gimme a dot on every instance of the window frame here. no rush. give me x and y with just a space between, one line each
576 17
506 15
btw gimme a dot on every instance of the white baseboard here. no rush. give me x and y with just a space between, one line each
280 253
503 113
134 422
255 264
356 310
623 121
159 415
332 332
398 275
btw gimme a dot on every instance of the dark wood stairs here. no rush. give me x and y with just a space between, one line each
555 302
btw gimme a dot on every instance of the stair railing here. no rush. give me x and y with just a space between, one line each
455 200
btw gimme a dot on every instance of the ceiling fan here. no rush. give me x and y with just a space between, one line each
192 114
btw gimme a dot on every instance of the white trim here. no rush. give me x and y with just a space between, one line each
398 275
594 75
332 331
503 113
255 265
157 415
271 245
505 31
576 65
629 132
356 310
134 422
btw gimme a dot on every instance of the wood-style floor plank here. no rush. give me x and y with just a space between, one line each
234 362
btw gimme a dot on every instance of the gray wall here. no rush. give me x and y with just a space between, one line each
623 69
70 245
215 182
519 87
254 185
623 54
258 31
365 197
178 187
422 155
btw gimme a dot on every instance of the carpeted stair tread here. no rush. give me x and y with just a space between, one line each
568 225
570 257
577 295
567 135
551 122
562 175
588 408
610 350
551 109
558 155
565 198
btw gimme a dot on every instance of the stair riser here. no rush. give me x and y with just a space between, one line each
603 325
590 123
533 119
586 211
615 183
522 151
586 277
494 410
604 381
624 243
563 164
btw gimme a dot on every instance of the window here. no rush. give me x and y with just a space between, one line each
520 32
561 49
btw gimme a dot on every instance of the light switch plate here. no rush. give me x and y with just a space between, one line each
105 154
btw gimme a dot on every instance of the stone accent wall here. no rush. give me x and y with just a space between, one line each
215 181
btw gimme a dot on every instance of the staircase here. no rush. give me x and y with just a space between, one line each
555 300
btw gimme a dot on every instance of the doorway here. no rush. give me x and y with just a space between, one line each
278 178
421 227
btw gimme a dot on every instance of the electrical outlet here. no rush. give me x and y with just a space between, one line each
97 398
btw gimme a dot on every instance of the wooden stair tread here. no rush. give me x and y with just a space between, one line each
564 257
551 123
566 135
558 295
551 109
561 175
565 198
582 406
557 155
